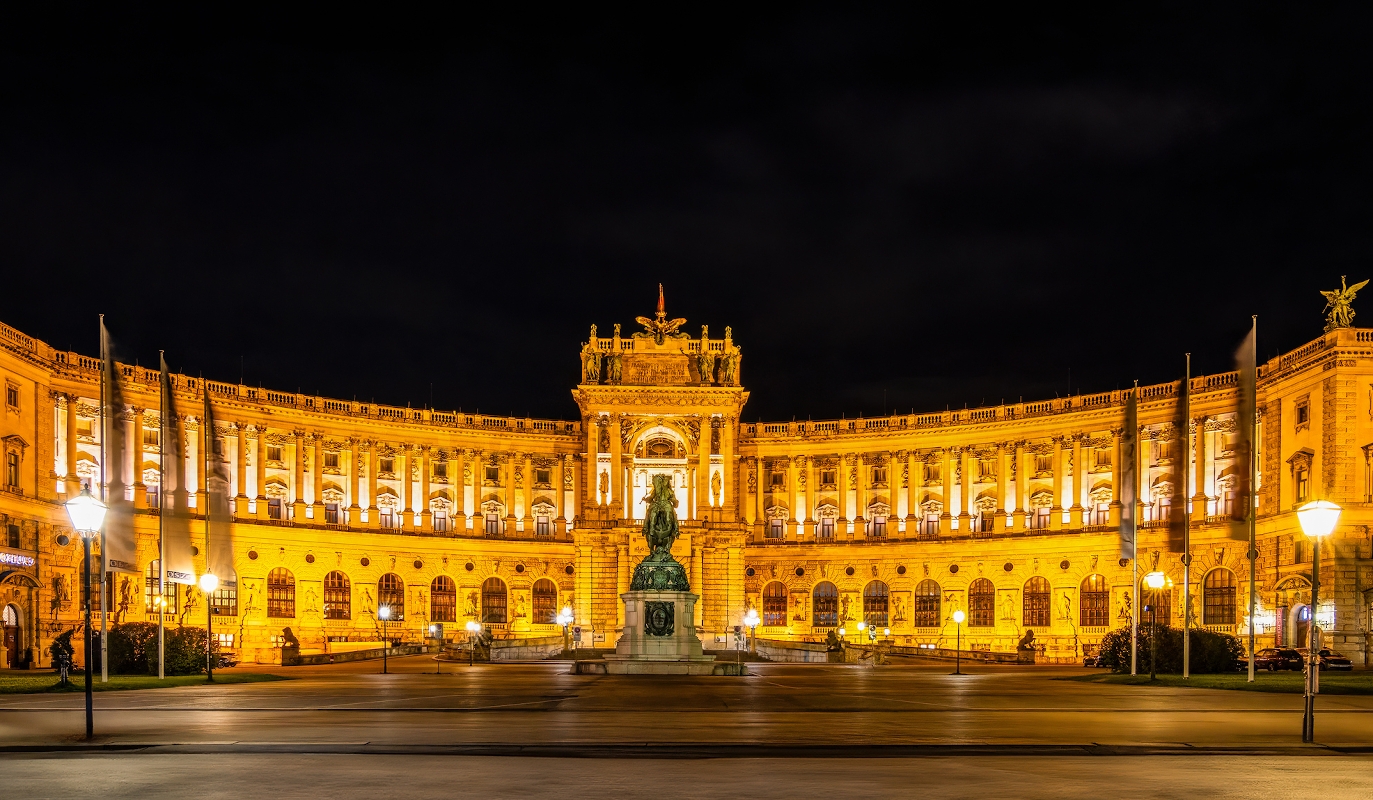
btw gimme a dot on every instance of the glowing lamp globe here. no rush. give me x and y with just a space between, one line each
1154 580
86 513
209 582
1317 518
959 616
384 612
862 626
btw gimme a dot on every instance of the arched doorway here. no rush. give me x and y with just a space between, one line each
14 638
1300 627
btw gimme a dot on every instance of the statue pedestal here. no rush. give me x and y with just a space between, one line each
659 637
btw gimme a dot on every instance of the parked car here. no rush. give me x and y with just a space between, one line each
227 660
1329 659
1092 661
1274 659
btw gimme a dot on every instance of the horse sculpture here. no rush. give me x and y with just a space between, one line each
659 570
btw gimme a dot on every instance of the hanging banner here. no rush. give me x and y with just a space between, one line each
120 552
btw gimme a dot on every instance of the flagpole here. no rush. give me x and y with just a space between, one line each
1134 554
1185 435
1251 512
104 565
162 524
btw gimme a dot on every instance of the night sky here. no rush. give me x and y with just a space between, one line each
901 212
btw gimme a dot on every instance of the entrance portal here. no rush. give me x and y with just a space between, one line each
13 637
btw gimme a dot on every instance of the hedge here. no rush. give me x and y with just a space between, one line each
133 649
1210 651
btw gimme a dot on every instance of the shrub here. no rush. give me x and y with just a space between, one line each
133 649
1210 651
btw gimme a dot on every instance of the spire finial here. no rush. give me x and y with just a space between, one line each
661 312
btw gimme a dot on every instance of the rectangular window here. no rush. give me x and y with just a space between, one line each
932 525
12 535
12 470
493 474
331 513
493 525
1103 457
440 521
779 480
541 526
776 529
827 477
274 508
331 460
1303 484
224 601
273 452
151 436
1164 450
154 496
1302 412
226 640
827 527
879 475
387 465
441 469
1102 514
389 519
543 476
84 427
1039 519
879 527
986 469
12 395
1044 462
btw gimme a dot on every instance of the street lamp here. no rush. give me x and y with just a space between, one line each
385 613
87 514
1153 582
751 620
958 617
208 583
564 619
473 628
1317 521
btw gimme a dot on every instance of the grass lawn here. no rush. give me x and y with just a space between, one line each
48 682
1285 682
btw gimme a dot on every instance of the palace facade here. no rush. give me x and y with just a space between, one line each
1008 512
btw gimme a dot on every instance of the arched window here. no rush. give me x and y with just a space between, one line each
281 593
545 602
875 604
775 604
443 600
1035 611
151 590
1218 598
391 593
1163 599
981 604
825 605
338 596
927 604
1096 602
493 601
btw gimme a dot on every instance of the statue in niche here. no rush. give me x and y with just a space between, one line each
844 604
61 595
715 487
367 603
614 365
900 615
1067 606
591 363
125 599
705 365
603 441
1126 606
729 364
188 607
1008 606
798 603
605 486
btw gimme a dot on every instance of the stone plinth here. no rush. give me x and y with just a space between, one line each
659 637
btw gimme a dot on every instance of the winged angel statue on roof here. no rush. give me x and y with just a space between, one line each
1339 305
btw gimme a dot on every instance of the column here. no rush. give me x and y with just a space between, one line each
576 491
1199 498
373 467
727 466
703 467
241 467
695 581
745 470
841 483
560 485
458 480
353 462
913 481
589 499
298 484
510 463
1003 467
808 463
73 483
862 475
478 518
140 490
1115 477
426 515
965 496
791 532
1079 476
946 470
621 582
760 509
260 465
1056 511
407 489
528 467
1023 474
317 465
617 472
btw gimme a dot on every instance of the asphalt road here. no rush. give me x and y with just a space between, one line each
835 708
209 777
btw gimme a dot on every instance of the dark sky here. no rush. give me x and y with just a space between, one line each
916 211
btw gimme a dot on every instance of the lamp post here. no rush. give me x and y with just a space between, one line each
564 619
473 628
1317 521
385 613
751 621
208 583
958 617
87 514
1154 582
